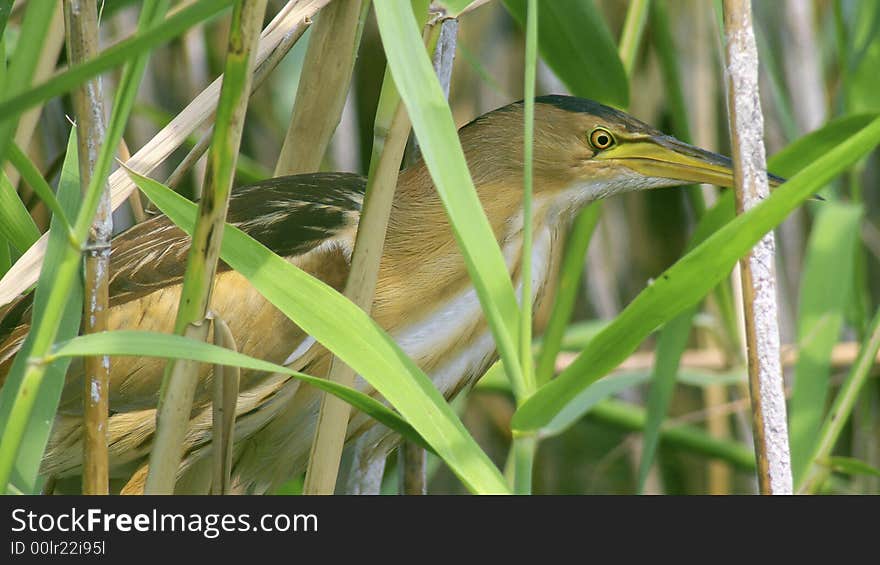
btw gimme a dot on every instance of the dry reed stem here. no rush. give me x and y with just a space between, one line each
758 279
81 21
320 96
226 382
290 21
359 288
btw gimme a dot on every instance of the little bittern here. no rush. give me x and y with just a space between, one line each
583 151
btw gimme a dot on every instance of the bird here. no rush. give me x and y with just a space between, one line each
583 151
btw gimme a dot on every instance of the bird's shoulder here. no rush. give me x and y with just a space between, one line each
290 215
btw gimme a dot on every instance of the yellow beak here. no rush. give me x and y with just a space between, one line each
667 157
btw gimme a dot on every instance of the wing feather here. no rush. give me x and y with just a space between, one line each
293 216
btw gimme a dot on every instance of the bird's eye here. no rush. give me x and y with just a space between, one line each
601 138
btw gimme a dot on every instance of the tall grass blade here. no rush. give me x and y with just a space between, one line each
38 184
16 224
442 152
524 448
35 431
695 440
576 246
23 64
168 346
68 265
5 10
842 409
830 259
280 35
360 287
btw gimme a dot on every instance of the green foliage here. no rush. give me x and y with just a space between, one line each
837 277
695 440
35 429
566 292
686 282
575 42
67 266
16 225
23 64
852 466
5 10
38 184
830 259
5 257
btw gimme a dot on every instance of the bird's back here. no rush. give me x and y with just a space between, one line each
424 300
308 219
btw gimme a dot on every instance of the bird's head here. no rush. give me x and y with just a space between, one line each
587 149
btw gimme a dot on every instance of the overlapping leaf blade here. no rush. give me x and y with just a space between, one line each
168 346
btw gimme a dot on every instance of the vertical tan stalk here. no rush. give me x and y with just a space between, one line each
226 382
719 474
320 97
178 387
359 288
368 464
758 279
81 21
391 132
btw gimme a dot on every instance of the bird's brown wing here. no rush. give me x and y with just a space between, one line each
290 215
